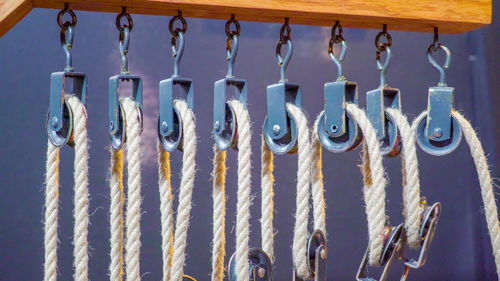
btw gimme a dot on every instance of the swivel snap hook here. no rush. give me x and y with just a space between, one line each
59 117
394 244
116 124
318 255
279 129
337 130
224 126
378 99
438 132
169 122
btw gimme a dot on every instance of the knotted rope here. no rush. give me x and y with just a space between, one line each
242 120
485 181
300 235
131 117
412 208
374 184
81 197
174 248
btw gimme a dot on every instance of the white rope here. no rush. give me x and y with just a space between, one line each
116 217
81 201
374 184
412 208
485 181
134 199
166 209
300 233
242 120
219 216
317 182
185 190
267 200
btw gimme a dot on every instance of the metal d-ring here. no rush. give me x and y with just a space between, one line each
169 122
383 97
225 127
59 117
116 123
337 130
260 266
394 244
430 219
280 129
438 132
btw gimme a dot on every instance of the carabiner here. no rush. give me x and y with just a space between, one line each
116 126
169 121
394 243
318 255
379 99
224 128
438 132
260 266
430 219
337 130
279 129
59 117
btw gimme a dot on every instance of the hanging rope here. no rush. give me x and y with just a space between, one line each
485 181
299 249
131 117
267 206
412 208
242 119
374 184
317 184
174 254
81 200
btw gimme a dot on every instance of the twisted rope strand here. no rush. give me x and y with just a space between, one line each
81 197
166 209
51 212
219 216
267 205
244 189
116 218
186 189
412 209
133 211
300 234
374 184
317 184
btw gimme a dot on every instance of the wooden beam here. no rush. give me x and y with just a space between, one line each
451 16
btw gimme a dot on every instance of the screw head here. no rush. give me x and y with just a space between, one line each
54 121
335 128
217 126
164 126
261 272
438 132
276 129
323 254
111 125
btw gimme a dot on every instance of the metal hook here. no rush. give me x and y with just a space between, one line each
232 44
177 33
441 68
124 42
67 44
382 67
285 38
338 38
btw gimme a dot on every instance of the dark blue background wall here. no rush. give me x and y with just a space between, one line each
31 51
